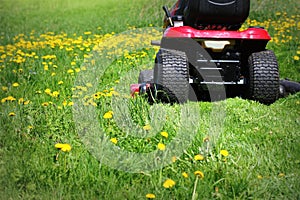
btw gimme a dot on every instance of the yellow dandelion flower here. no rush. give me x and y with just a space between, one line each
60 82
109 94
115 93
70 103
21 100
164 134
83 88
199 174
10 98
161 146
48 91
298 52
108 115
114 140
169 183
45 104
53 74
65 103
70 71
185 175
147 127
46 67
55 94
77 70
259 177
93 103
150 196
87 33
296 58
26 102
281 175
4 88
97 95
63 147
199 157
224 153
15 84
73 63
11 114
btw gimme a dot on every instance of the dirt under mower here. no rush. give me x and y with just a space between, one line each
203 50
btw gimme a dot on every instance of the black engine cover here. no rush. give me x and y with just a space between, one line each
229 13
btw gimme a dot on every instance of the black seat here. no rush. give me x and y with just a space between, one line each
216 14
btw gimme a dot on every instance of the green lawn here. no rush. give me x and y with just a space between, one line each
70 131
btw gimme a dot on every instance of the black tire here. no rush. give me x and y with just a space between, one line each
146 76
263 82
171 76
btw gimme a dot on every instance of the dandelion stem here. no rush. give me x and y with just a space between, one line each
195 187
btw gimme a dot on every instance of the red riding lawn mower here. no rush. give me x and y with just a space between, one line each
203 50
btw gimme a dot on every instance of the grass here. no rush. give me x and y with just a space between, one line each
50 64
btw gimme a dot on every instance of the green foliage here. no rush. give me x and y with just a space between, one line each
46 45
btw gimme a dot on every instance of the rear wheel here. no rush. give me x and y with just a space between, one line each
171 76
263 83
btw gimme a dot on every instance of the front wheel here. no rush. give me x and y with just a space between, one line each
263 82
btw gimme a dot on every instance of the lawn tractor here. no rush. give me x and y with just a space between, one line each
203 50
